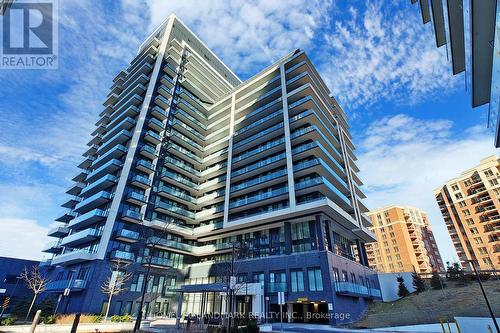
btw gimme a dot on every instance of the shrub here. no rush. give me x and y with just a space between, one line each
418 283
49 319
121 319
8 321
84 318
436 281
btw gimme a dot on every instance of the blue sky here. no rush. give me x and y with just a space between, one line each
411 119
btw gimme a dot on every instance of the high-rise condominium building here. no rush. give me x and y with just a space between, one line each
405 242
470 206
186 161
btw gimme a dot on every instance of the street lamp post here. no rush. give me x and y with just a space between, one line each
484 295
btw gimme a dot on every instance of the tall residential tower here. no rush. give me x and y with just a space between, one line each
187 162
470 207
405 241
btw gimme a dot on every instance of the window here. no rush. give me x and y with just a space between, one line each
398 256
392 234
454 187
277 281
462 204
469 221
137 285
345 277
400 265
297 279
458 196
488 173
241 278
466 212
474 231
258 277
493 182
315 279
478 240
483 250
487 261
127 308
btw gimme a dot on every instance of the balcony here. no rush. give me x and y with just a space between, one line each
125 124
81 237
145 166
152 137
72 202
73 257
162 102
67 216
181 166
108 168
175 210
81 176
118 138
155 262
76 188
93 201
136 198
99 185
58 231
131 216
156 124
52 247
180 180
115 152
149 151
141 181
89 218
175 194
122 255
258 197
76 284
159 113
125 235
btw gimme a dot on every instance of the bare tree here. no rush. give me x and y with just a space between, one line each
115 283
35 282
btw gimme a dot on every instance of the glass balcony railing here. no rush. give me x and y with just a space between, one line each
192 108
122 255
136 196
258 135
117 150
146 164
179 179
156 122
188 140
112 165
321 181
93 216
159 111
258 122
176 193
96 199
258 197
310 163
153 135
141 179
259 149
185 151
264 107
155 261
128 234
187 128
259 164
96 185
182 165
175 209
258 180
190 118
149 149
129 213
315 144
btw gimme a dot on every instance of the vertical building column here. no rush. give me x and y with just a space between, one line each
363 258
127 166
229 162
320 235
288 143
288 237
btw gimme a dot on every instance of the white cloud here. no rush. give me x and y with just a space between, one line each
403 159
247 34
384 53
22 238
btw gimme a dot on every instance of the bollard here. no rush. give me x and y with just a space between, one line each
35 321
75 322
